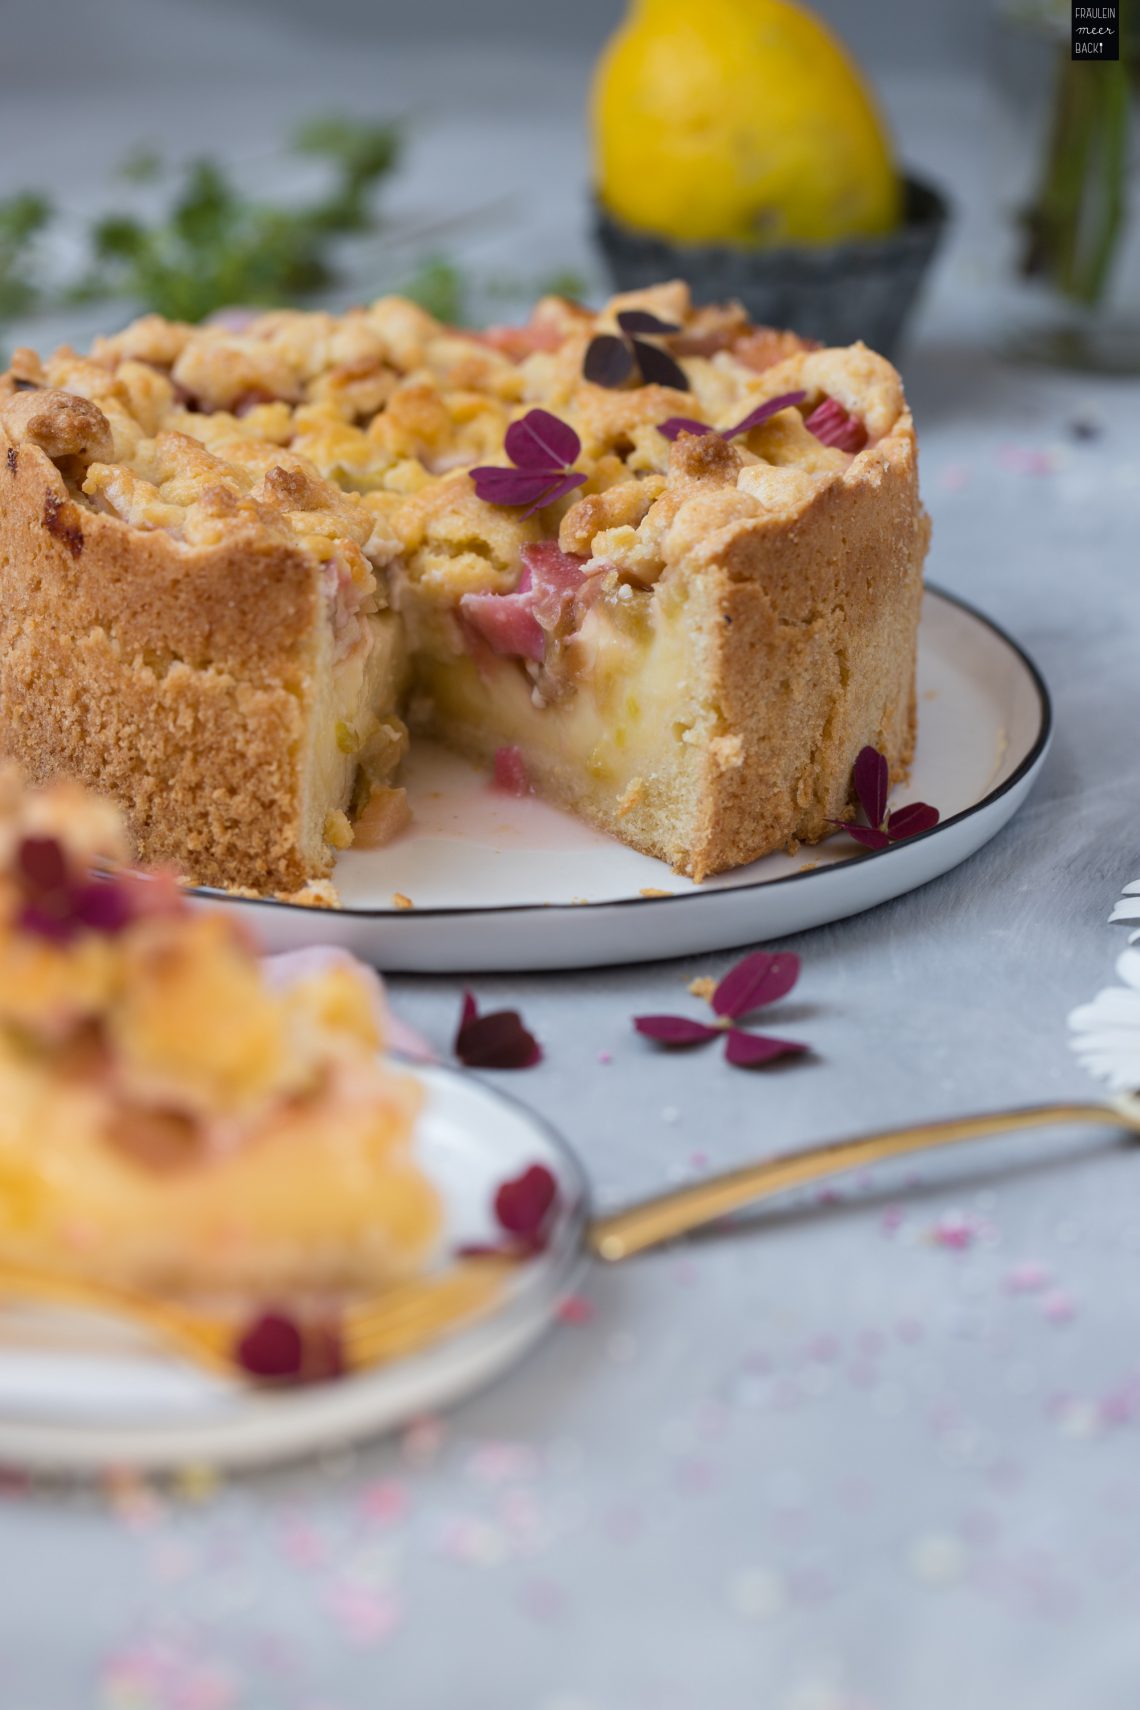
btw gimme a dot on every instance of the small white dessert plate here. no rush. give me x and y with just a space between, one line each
79 1395
484 881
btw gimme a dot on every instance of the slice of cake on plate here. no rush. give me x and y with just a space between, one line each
658 565
176 1116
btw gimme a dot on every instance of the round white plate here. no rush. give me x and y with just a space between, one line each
498 883
121 1402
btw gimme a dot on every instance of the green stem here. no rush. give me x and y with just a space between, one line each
1080 208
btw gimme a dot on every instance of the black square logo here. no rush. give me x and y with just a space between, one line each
1096 30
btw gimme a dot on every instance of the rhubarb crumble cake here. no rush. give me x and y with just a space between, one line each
177 1116
658 565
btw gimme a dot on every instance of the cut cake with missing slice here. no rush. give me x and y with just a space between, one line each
233 559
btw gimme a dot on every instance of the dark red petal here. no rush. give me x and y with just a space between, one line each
759 979
868 835
872 784
272 1346
541 441
469 1011
41 863
641 321
497 1041
753 1050
832 425
658 368
608 361
523 1206
511 486
762 412
674 1029
565 484
102 905
46 923
682 424
910 820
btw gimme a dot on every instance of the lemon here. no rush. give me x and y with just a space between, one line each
739 121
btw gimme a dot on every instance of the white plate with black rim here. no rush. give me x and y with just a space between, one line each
82 1393
484 881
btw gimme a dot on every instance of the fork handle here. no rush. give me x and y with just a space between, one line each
654 1221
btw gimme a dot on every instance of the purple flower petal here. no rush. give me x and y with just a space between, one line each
542 441
272 1346
44 923
608 361
524 1205
872 784
759 979
910 820
752 1050
101 905
682 424
497 486
762 412
658 368
565 484
496 1041
41 863
868 835
641 321
674 1029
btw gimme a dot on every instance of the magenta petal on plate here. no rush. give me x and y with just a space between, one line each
674 1029
752 1050
523 1206
41 862
759 979
763 412
469 1011
872 784
910 820
682 424
868 835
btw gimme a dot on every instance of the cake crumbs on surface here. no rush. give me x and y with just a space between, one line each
654 891
807 866
703 987
399 900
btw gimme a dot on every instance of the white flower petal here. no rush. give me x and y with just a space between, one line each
1128 967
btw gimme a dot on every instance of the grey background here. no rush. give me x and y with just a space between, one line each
75 40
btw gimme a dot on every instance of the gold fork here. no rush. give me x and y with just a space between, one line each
408 1316
667 1215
